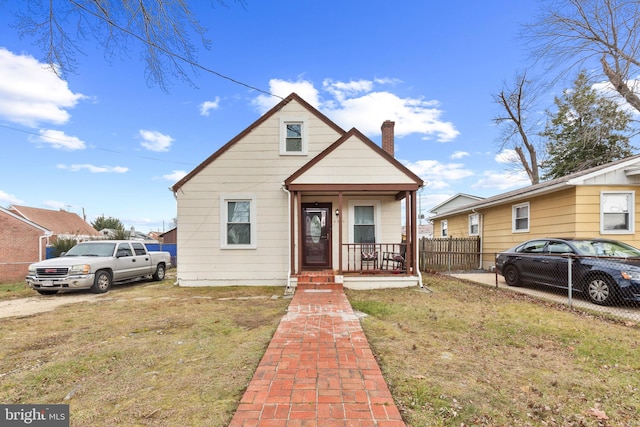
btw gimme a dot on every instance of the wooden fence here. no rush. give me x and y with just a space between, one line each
449 254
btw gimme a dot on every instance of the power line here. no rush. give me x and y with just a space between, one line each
170 53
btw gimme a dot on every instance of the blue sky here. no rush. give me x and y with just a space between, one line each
102 142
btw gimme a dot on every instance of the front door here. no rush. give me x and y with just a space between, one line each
316 235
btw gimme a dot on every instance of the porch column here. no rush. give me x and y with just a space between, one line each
340 233
299 230
414 232
408 211
292 227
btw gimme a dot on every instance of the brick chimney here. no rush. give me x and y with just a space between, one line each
387 137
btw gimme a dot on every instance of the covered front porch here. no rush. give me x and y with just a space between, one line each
356 234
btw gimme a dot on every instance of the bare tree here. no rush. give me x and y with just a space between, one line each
163 29
518 124
602 34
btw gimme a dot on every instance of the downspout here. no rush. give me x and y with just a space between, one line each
46 236
288 289
414 238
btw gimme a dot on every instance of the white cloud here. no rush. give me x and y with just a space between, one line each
174 176
359 104
502 180
439 175
9 199
206 106
459 154
283 88
507 156
93 168
30 93
606 89
340 90
155 141
59 140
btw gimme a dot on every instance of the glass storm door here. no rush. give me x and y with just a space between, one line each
316 235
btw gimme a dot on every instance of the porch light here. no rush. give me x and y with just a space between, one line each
337 212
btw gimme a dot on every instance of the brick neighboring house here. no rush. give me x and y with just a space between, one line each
25 233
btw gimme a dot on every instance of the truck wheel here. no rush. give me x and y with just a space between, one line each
102 282
41 292
160 272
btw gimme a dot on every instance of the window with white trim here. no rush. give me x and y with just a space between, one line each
617 212
364 220
293 139
238 222
474 224
444 228
520 218
364 225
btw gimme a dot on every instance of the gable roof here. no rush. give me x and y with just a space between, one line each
415 181
24 220
57 222
630 164
263 118
459 200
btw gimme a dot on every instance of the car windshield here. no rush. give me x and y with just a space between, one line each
91 249
605 248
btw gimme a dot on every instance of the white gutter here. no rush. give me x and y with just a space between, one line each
288 236
480 233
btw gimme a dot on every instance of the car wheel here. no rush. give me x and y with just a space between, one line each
102 282
41 292
160 272
601 290
511 275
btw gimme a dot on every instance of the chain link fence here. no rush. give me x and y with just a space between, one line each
606 284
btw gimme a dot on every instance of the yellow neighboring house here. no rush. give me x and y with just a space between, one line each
595 203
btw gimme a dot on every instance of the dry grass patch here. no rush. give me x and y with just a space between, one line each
148 354
15 290
471 355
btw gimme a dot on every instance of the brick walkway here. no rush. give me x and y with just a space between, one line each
318 370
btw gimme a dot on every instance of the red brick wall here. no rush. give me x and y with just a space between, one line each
18 248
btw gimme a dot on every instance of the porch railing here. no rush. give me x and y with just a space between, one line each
374 258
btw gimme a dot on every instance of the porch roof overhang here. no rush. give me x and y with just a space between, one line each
398 189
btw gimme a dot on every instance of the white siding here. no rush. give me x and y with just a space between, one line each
253 166
354 162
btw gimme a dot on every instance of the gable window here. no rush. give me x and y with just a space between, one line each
364 226
238 222
616 212
293 137
444 228
520 218
474 224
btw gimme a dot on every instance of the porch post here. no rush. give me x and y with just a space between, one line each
292 227
408 211
299 229
414 231
340 233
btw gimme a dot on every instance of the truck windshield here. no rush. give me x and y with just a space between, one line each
91 249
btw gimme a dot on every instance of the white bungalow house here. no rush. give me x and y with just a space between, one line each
294 193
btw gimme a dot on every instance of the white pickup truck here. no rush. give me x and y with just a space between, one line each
96 265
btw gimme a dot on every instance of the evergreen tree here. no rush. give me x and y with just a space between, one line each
587 130
101 223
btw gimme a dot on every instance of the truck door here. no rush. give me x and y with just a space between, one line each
125 263
143 259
